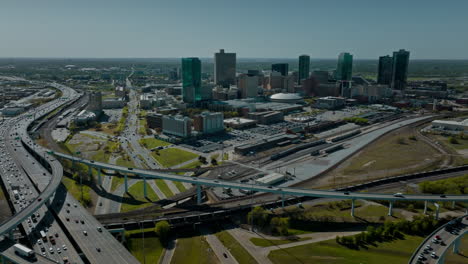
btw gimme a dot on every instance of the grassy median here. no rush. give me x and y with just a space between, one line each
329 252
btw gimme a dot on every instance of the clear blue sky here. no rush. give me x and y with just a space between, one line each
252 28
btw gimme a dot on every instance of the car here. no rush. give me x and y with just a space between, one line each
433 255
98 249
68 204
40 199
398 195
76 221
85 233
75 205
68 219
58 250
64 247
56 235
346 193
82 222
438 237
443 196
225 255
428 247
130 168
92 161
99 229
68 211
51 250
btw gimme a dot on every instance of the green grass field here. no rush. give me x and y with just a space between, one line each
163 187
380 155
117 180
262 242
173 156
142 128
329 252
136 191
180 186
240 253
75 189
193 249
192 165
152 250
151 143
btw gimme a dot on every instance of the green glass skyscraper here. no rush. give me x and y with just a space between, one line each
344 70
191 80
384 75
304 68
400 69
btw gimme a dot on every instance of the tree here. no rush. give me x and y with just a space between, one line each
214 162
258 216
453 140
162 229
202 159
279 225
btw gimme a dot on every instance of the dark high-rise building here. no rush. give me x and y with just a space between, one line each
191 80
224 68
344 69
282 68
400 69
384 75
304 68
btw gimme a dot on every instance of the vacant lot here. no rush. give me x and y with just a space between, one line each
193 249
173 156
329 252
152 250
151 143
136 198
396 153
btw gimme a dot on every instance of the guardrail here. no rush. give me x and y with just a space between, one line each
415 253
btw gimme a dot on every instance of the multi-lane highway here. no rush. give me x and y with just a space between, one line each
434 248
98 245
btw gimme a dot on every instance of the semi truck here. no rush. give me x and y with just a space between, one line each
24 251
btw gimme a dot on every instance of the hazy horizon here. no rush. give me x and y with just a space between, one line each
367 29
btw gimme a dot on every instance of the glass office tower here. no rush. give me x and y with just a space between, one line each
191 80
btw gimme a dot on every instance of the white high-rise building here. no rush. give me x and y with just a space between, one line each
177 125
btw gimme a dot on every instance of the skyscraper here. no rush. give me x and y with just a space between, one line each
281 68
384 75
224 68
304 68
191 80
344 70
400 69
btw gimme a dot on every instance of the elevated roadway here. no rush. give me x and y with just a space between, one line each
434 248
283 191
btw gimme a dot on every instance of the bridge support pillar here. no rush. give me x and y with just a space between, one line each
90 172
126 182
352 207
144 187
425 207
453 205
282 200
390 208
456 245
199 195
437 206
99 177
11 235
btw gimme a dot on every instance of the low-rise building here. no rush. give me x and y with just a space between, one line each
239 123
209 123
177 125
112 103
266 118
450 125
154 120
330 102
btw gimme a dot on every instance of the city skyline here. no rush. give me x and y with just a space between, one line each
265 29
